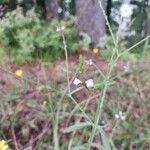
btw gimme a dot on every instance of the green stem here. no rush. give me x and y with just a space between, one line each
66 56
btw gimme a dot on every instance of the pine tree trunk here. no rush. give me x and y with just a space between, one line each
91 20
148 22
51 7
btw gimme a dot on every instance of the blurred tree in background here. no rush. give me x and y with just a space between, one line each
51 9
130 19
91 19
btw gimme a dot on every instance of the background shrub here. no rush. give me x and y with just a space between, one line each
23 37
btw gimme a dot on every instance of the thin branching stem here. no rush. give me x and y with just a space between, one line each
66 56
107 22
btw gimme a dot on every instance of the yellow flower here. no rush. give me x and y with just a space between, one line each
19 72
148 83
3 145
95 50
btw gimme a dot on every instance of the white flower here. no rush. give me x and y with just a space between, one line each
126 10
126 68
89 62
59 10
117 116
58 29
76 81
89 83
120 116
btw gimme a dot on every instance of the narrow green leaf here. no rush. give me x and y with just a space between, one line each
105 139
77 126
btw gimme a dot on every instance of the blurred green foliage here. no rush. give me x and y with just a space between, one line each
23 37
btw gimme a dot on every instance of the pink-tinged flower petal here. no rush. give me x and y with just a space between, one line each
89 62
76 81
122 117
126 68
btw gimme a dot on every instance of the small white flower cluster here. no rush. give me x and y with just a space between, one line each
58 29
120 116
89 62
126 68
89 83
126 10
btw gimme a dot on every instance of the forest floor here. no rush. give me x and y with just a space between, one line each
27 118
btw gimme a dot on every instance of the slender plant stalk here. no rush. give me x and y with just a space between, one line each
66 56
55 134
135 45
56 122
102 99
107 22
108 75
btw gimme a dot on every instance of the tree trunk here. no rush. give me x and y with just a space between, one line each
148 22
91 20
51 7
